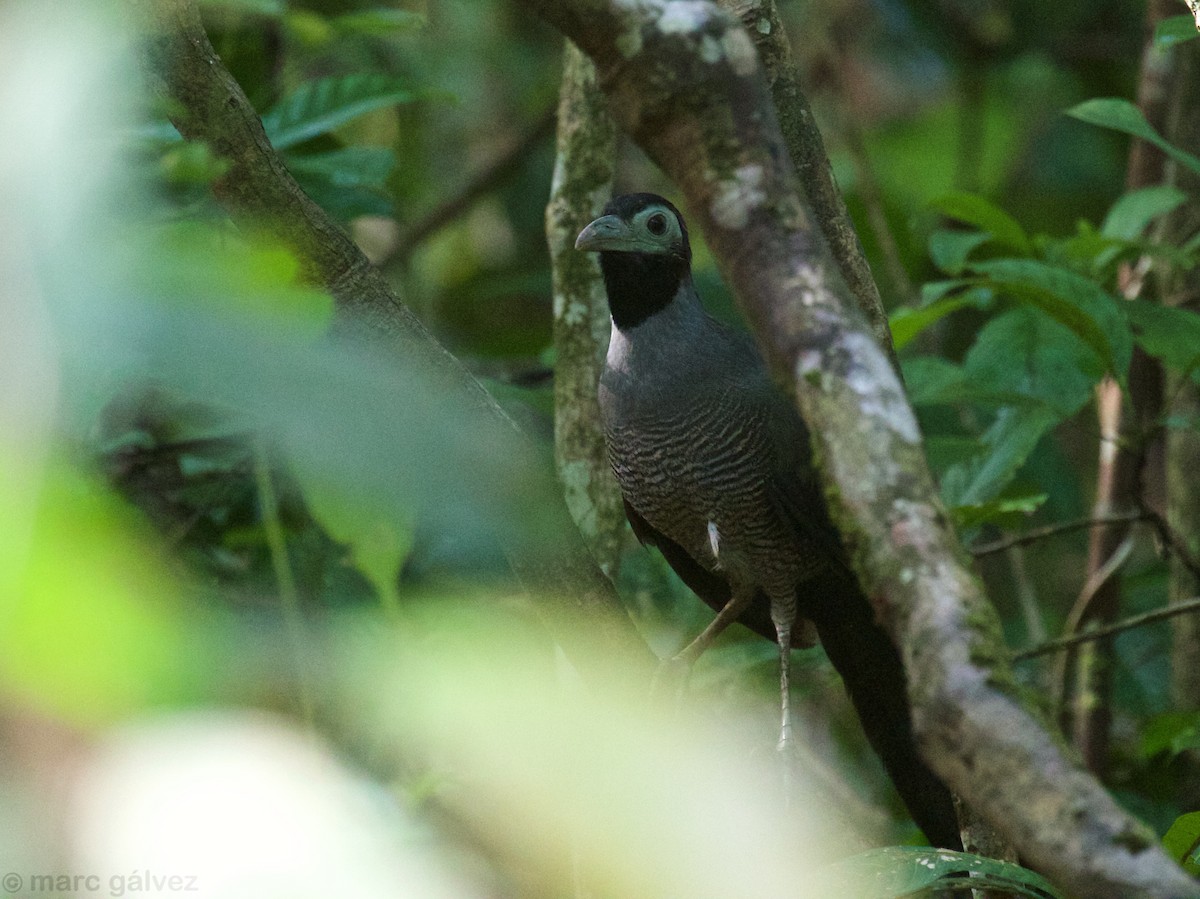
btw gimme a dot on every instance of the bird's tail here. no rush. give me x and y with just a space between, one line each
870 666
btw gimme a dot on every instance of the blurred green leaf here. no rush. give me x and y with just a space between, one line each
379 22
1133 211
997 511
255 281
191 162
1171 732
1167 333
973 209
322 105
896 871
1079 303
91 626
1182 842
907 322
347 167
949 249
1175 30
932 379
378 543
272 8
1121 115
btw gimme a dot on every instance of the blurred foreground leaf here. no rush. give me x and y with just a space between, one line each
92 627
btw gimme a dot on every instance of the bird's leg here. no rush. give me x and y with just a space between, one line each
783 615
681 663
727 616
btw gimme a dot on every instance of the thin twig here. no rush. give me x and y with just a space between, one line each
483 182
1100 633
1173 542
1061 527
288 598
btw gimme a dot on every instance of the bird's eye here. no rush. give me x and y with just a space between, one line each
657 224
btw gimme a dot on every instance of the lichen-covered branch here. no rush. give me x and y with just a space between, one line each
581 607
807 151
583 173
683 78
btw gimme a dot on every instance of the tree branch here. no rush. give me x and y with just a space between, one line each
482 183
580 607
806 148
1103 633
684 80
583 173
1051 530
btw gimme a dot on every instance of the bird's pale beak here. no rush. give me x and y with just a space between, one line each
606 233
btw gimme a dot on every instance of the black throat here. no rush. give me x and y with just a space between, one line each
640 284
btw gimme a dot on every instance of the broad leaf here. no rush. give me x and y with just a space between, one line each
1171 732
1130 215
1167 333
1175 30
1121 115
381 22
322 105
1007 444
379 543
906 322
1041 374
949 250
896 871
1080 304
997 510
273 8
975 210
348 167
932 379
1182 842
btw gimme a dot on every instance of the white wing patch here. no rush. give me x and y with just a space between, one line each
714 539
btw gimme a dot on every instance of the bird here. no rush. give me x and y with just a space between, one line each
716 472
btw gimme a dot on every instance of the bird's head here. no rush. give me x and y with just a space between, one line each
644 255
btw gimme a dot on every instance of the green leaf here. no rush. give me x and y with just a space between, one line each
1175 30
932 379
974 514
382 22
1007 444
1182 842
346 168
975 210
1121 115
949 249
907 322
1171 732
379 541
1132 212
272 8
938 299
1039 373
896 871
322 105
107 635
1167 333
256 281
1026 353
1080 304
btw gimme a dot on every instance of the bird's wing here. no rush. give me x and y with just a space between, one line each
709 586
